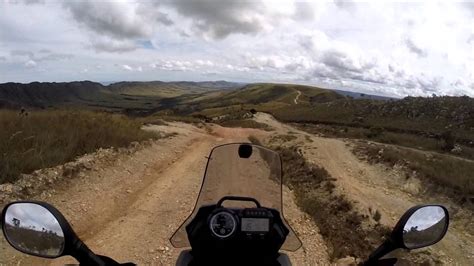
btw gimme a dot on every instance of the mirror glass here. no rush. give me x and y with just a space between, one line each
425 227
31 228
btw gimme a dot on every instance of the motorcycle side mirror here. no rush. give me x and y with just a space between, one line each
39 229
424 226
33 229
419 227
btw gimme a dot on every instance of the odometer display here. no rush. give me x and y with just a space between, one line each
255 225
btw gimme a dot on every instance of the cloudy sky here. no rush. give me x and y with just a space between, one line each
391 48
30 215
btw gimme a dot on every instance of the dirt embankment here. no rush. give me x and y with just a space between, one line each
127 206
375 187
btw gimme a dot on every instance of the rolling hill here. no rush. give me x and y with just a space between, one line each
169 89
291 103
116 96
42 95
261 96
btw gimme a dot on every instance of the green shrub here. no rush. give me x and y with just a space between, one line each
374 132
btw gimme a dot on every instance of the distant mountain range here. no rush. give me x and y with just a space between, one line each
214 98
358 95
53 94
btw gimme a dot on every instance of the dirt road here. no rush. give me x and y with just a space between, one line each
297 97
129 208
377 188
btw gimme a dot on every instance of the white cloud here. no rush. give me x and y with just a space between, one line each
30 64
104 44
397 49
183 65
204 63
127 67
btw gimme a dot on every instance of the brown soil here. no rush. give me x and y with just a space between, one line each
129 207
375 187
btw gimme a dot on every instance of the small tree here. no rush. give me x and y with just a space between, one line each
448 140
374 132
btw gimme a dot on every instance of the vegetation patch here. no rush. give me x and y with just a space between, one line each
158 118
282 138
31 141
156 122
435 114
342 227
245 123
445 173
446 143
255 140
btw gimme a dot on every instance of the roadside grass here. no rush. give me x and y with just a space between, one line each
41 139
453 175
162 119
157 122
346 232
423 114
255 140
218 111
282 138
245 123
378 134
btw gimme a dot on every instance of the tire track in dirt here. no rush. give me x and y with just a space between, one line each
93 200
375 187
129 209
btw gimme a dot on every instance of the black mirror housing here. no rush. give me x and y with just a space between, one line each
70 238
400 231
417 218
73 246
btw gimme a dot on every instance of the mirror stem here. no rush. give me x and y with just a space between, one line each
381 251
85 256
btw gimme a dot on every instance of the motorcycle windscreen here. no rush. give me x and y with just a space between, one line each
244 170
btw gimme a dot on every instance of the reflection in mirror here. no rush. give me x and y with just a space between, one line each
425 227
31 228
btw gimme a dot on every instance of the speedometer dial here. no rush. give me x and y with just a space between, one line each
223 224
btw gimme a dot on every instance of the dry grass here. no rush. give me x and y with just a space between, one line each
255 140
171 118
245 123
282 138
339 223
380 135
157 122
445 171
47 138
